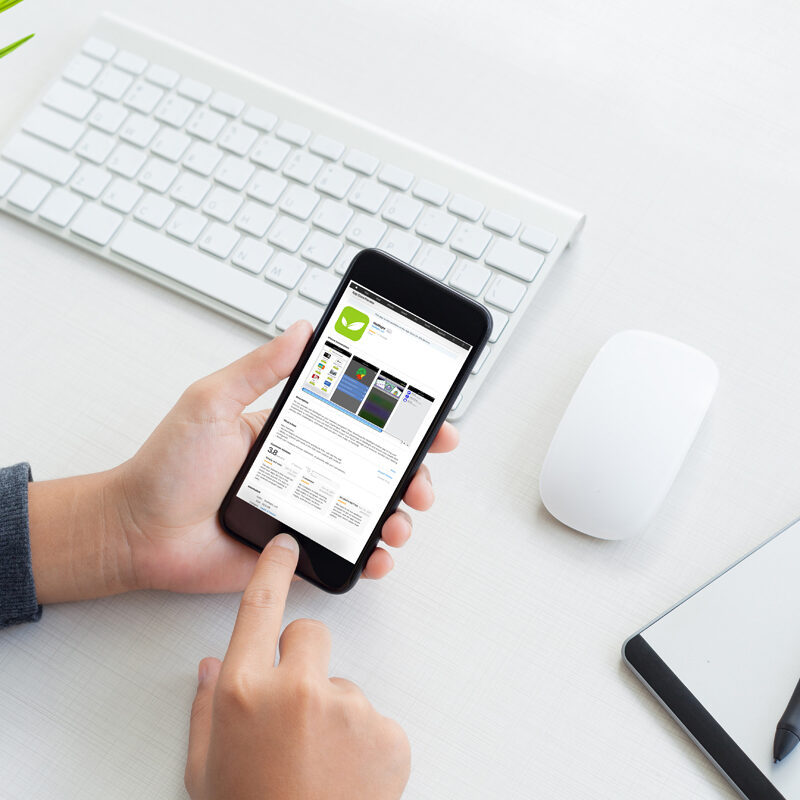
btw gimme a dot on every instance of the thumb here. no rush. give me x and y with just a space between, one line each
200 723
234 387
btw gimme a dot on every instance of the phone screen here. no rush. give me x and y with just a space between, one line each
353 421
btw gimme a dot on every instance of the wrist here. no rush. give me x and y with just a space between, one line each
78 544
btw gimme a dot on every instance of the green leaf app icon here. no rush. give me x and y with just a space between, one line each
352 323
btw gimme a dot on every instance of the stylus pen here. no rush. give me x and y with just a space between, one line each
787 734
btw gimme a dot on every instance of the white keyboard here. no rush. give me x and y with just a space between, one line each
253 200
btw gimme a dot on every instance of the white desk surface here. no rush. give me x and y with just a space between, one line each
496 640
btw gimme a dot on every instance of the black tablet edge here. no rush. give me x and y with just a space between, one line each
734 764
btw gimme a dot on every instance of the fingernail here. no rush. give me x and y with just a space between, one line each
285 541
296 324
202 672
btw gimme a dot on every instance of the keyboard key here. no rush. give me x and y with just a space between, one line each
319 285
8 174
430 192
60 207
537 237
345 257
465 207
82 70
154 210
516 260
335 181
202 158
292 132
499 322
302 167
95 146
130 62
326 147
53 127
402 210
70 100
99 48
297 309
505 293
42 158
266 187
332 217
107 116
270 153
28 192
285 270
238 138
470 240
361 162
126 160
321 249
299 202
400 245
234 172
95 223
258 118
226 104
90 181
158 175
190 189
251 255
502 223
434 261
255 218
368 196
174 111
139 130
481 359
143 97
365 231
198 271
469 277
288 234
162 76
194 90
394 176
222 204
186 225
205 124
436 225
112 83
218 240
122 195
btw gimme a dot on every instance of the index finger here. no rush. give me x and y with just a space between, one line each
258 623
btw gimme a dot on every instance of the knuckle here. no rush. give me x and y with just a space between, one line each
260 598
237 693
397 741
305 689
308 627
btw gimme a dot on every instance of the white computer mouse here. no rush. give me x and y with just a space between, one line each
625 434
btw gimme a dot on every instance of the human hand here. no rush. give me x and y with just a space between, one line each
152 521
173 487
286 732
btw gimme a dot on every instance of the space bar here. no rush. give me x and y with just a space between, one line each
206 275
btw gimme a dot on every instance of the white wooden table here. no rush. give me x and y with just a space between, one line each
496 640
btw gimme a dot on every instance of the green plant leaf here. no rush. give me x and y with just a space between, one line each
4 51
6 4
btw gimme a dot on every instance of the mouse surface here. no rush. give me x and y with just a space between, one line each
625 434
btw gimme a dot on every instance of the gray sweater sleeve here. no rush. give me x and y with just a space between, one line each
17 592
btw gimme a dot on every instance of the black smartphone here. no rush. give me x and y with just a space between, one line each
357 415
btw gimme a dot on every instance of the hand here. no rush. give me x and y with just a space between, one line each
174 485
286 732
152 521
